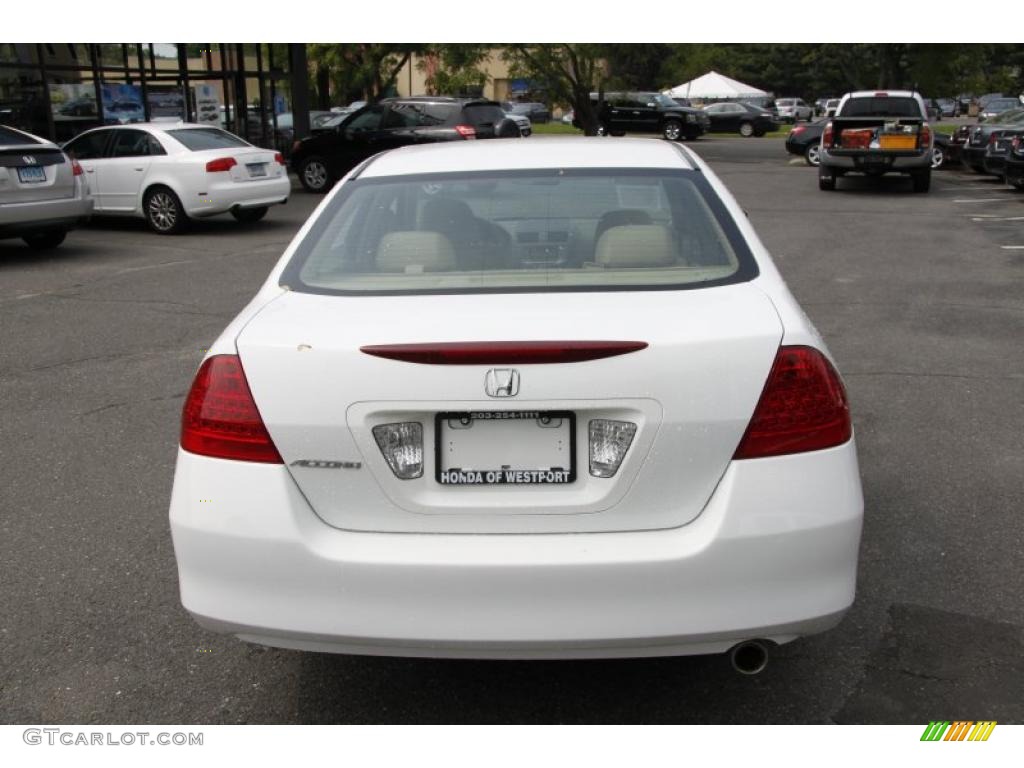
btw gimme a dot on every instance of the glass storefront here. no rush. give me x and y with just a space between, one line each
58 90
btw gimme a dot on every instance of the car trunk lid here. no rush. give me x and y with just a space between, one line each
34 173
690 392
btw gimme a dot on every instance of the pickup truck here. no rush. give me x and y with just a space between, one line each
877 132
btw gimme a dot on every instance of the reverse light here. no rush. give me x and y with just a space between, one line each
76 168
220 418
466 131
221 164
803 407
609 443
402 446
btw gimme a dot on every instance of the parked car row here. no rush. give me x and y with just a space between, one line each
165 173
650 112
989 147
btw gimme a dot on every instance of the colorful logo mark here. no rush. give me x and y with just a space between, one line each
959 730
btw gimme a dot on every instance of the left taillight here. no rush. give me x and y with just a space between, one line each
279 158
924 138
76 168
466 131
220 418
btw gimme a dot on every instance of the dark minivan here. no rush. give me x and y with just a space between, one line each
324 158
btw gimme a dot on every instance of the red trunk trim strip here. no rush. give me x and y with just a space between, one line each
503 352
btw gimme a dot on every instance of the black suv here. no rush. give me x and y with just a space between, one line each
322 159
648 112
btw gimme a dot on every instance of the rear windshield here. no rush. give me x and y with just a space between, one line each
11 138
882 106
483 114
522 231
198 139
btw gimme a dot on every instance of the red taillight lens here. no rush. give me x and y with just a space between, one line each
221 164
220 418
798 130
802 408
296 146
826 136
76 168
503 352
279 158
924 137
466 131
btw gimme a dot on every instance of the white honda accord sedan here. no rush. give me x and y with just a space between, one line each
538 399
169 173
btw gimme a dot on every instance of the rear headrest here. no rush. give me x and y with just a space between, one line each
636 246
415 252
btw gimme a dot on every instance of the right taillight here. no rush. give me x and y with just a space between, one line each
220 418
76 168
803 407
466 131
826 136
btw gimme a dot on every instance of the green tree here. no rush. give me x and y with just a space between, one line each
362 70
566 72
455 69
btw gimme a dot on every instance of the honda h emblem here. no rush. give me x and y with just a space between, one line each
502 382
28 160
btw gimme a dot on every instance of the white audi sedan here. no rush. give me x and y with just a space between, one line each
169 173
538 399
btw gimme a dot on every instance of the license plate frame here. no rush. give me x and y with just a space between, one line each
504 475
32 174
256 170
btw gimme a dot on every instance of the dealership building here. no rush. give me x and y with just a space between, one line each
58 90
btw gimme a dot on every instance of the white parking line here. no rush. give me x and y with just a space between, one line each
1012 247
979 200
993 217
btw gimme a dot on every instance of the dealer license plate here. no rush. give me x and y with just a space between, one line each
505 447
31 175
257 169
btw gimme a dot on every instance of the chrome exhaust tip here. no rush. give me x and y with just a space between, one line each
749 657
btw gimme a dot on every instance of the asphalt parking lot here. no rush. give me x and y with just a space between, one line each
920 298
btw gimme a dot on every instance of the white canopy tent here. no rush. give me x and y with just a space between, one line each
715 86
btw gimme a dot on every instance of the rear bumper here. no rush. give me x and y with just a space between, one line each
773 556
222 196
18 219
897 162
